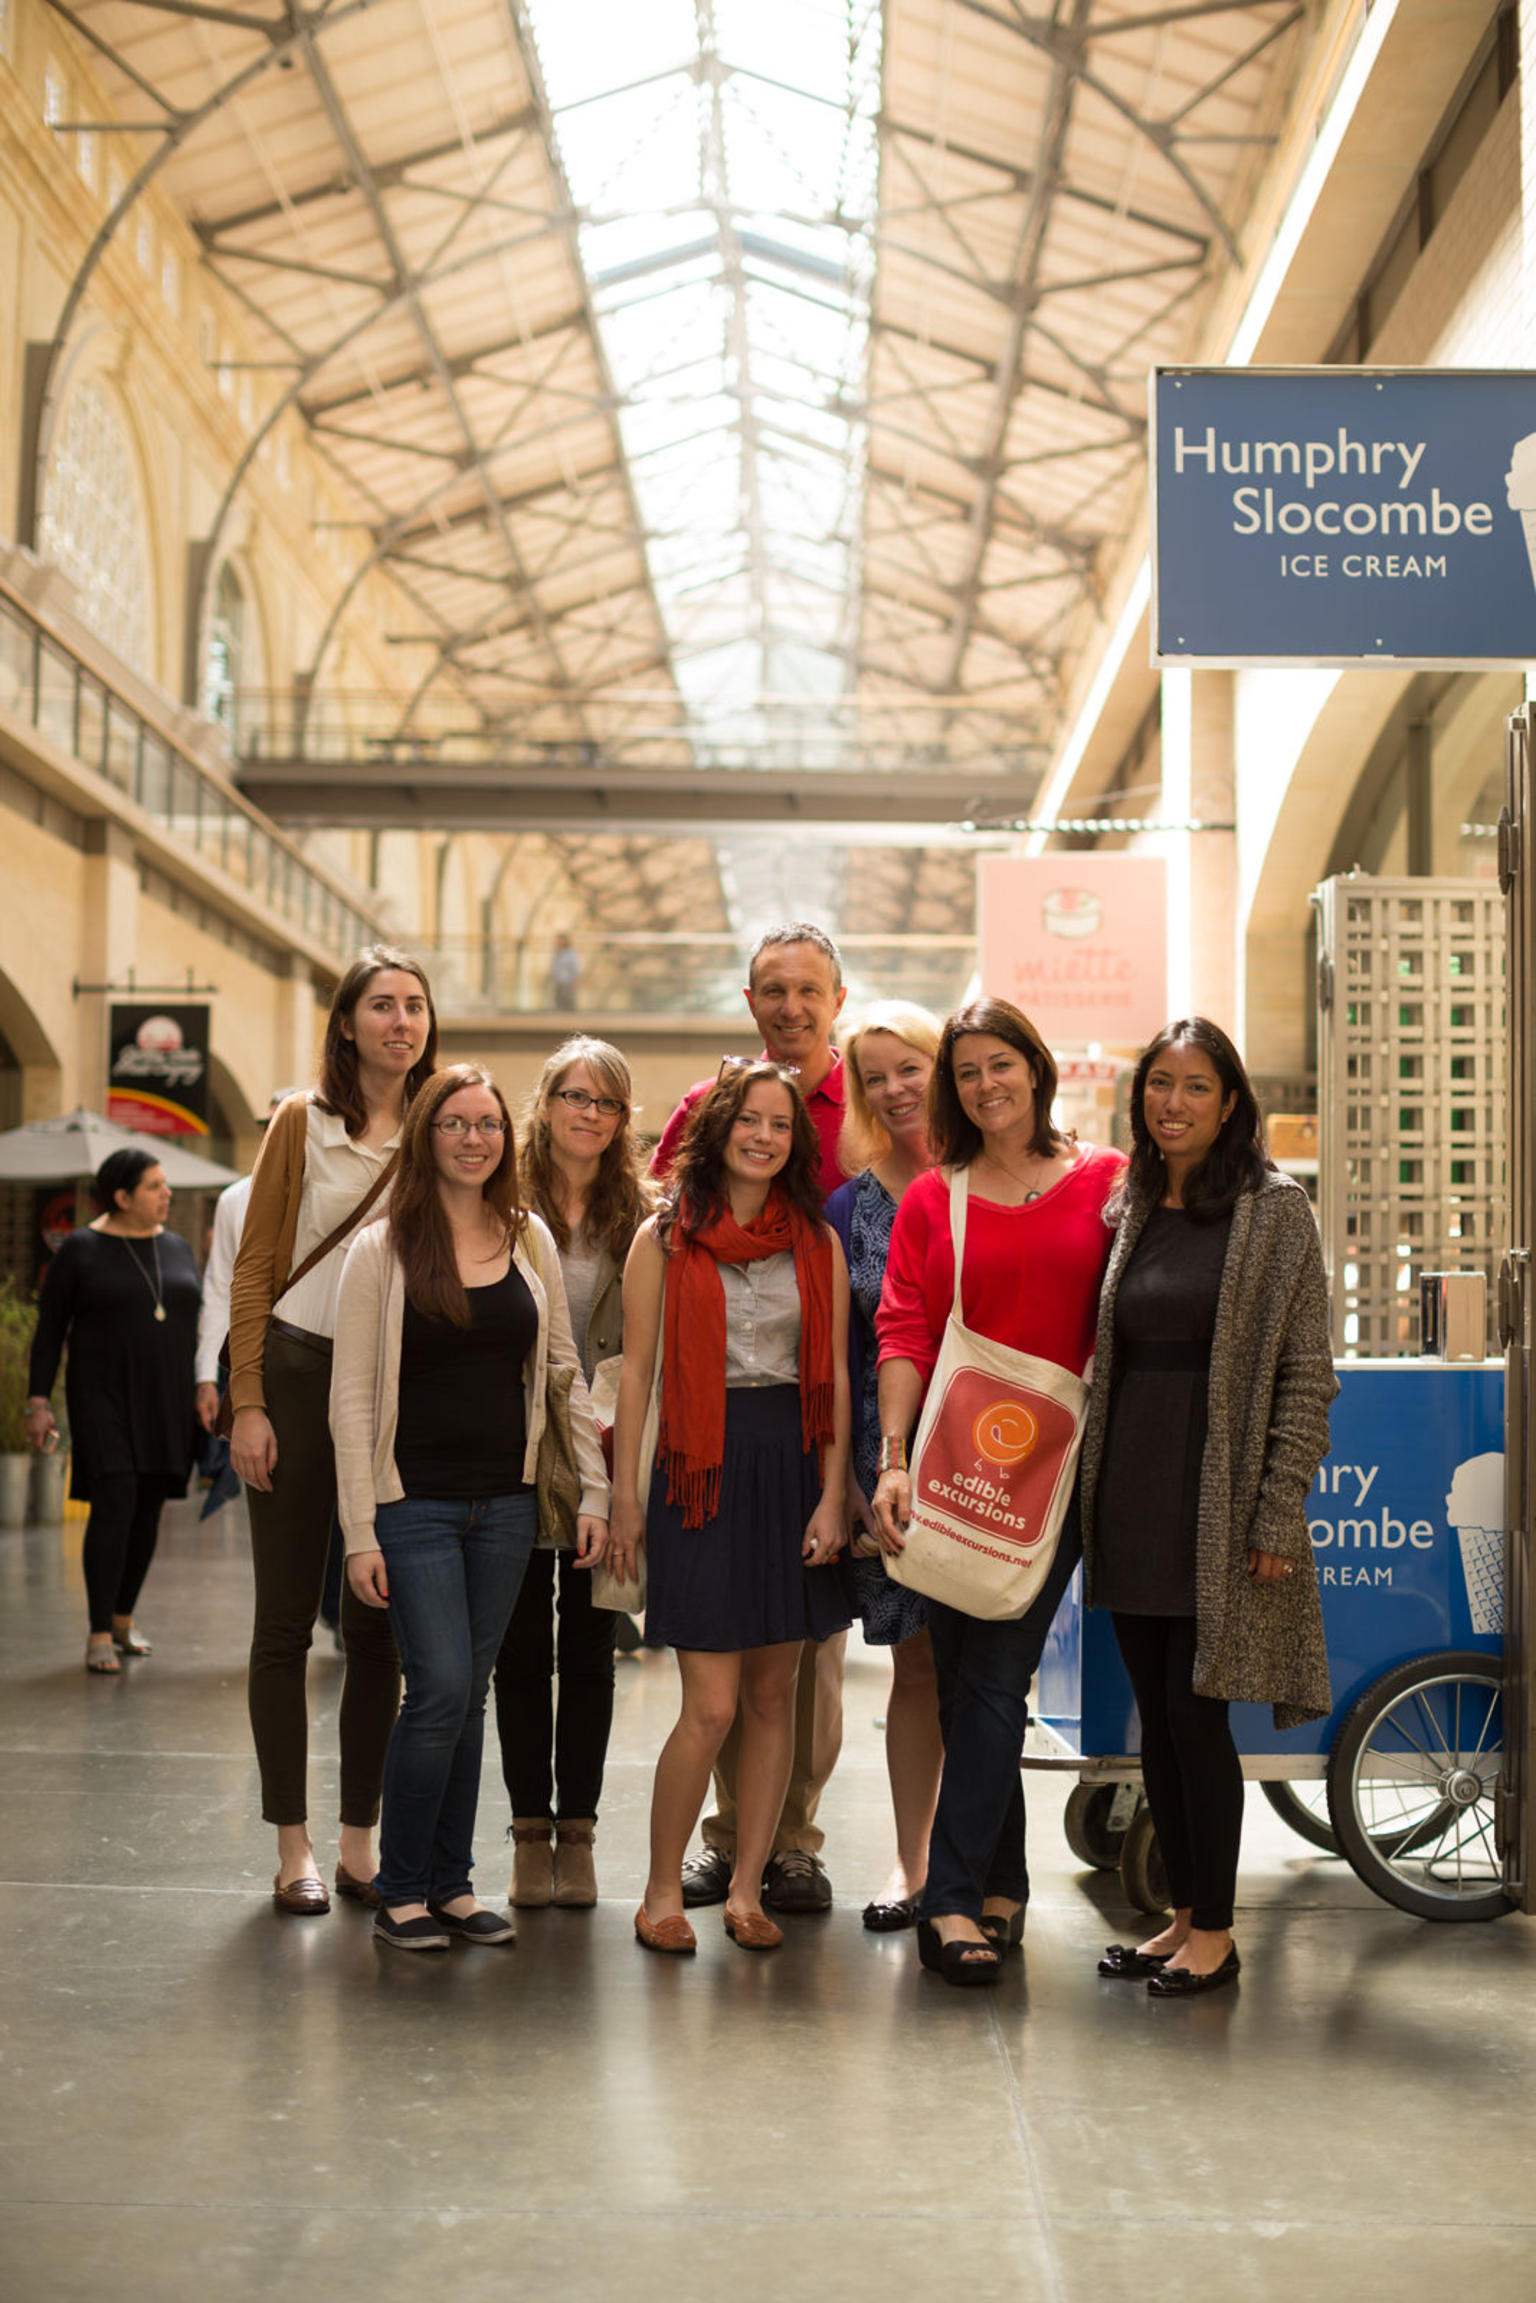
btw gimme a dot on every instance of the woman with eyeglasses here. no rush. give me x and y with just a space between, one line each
581 1172
451 1313
737 1289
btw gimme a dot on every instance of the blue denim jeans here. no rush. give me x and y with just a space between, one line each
454 1571
984 1670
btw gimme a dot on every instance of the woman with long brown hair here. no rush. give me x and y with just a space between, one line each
451 1312
581 1171
326 1161
742 1285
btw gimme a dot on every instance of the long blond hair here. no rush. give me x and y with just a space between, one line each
864 1140
622 1196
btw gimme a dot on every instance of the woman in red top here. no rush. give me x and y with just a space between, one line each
1036 1244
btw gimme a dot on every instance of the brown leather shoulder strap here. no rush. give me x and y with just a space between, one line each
348 1223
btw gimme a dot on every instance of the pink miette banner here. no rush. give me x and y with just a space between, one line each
1079 942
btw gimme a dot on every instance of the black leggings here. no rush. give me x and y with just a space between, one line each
120 1542
1189 1764
526 1719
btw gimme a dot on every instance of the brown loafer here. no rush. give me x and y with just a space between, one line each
360 1890
672 1934
753 1930
305 1898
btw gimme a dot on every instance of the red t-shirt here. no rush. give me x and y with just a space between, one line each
824 1103
1032 1274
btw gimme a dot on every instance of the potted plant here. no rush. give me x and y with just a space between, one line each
18 1322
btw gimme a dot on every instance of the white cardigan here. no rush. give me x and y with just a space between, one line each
365 1377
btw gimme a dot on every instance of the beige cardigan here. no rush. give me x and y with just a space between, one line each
365 1377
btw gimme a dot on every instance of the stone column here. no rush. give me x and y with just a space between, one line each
108 949
1198 787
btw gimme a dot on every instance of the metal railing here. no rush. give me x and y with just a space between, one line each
46 684
672 975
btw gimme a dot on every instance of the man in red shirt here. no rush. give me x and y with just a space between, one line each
795 990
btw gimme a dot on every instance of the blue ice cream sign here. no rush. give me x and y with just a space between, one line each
1333 516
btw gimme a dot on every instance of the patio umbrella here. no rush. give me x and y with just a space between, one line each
63 1150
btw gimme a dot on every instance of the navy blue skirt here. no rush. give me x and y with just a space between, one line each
739 1580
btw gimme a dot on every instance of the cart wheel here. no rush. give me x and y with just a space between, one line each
1304 1806
1095 1833
1411 1787
1141 1864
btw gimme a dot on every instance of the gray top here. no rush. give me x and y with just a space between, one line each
580 1264
762 1322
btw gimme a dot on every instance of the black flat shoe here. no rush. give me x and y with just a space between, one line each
1007 1934
891 1918
1184 1983
957 1962
1124 1962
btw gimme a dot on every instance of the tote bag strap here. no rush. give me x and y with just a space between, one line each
959 1201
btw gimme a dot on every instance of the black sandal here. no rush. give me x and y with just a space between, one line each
1007 1934
957 1962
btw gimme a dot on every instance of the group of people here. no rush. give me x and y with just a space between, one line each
507 1359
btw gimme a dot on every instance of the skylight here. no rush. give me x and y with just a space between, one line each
723 158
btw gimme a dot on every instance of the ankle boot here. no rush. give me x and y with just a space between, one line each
575 1878
532 1871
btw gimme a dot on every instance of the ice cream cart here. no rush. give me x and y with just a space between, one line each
1404 1775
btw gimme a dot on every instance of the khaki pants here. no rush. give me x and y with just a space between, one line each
818 1740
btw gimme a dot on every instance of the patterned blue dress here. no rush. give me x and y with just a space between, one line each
862 1213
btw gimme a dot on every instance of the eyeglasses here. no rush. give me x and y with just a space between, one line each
755 1063
580 1101
454 1127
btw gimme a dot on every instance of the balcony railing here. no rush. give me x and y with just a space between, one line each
46 684
673 975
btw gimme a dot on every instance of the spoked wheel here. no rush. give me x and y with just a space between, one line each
1095 1822
1141 1865
1304 1806
1412 1782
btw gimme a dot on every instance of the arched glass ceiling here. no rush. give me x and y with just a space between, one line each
724 158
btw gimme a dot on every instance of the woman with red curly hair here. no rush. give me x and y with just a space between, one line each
742 1508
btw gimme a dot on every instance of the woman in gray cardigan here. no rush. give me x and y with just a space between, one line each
1209 1417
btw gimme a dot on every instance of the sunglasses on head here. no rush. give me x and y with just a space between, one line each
787 1072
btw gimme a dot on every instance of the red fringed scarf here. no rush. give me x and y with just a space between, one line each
693 1346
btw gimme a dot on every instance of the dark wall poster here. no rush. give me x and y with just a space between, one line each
157 1076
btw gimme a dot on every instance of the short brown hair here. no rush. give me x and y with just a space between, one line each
956 1139
796 932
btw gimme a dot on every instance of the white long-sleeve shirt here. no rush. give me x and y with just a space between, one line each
213 1319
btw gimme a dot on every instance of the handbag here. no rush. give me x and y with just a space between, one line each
224 1421
993 1464
609 1590
558 1481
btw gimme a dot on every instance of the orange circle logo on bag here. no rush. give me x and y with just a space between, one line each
1005 1433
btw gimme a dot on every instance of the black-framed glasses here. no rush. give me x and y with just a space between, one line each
453 1127
756 1063
579 1101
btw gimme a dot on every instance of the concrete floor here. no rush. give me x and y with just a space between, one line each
201 2098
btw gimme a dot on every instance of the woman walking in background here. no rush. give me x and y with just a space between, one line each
888 1063
326 1162
1208 1420
581 1172
123 1295
451 1315
742 1285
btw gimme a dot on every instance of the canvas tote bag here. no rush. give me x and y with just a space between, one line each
607 1588
992 1465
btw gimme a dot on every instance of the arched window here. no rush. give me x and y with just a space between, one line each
226 648
92 527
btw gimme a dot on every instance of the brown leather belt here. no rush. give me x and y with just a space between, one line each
303 1336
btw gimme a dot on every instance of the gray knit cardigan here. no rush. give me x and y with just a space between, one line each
1271 1383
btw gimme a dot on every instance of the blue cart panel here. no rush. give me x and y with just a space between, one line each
1406 1518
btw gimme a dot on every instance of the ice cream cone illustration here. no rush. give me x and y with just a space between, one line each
1520 491
1475 1508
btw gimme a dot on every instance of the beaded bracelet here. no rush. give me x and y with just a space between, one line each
893 1452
